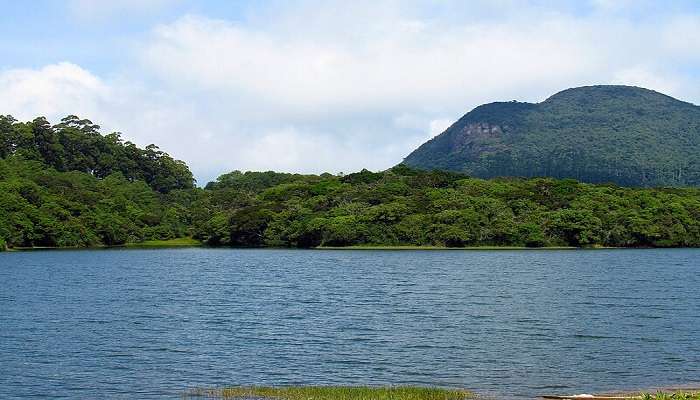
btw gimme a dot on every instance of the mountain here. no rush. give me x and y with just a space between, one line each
621 134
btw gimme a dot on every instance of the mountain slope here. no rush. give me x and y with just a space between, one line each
621 134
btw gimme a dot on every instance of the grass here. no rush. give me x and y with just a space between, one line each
333 393
671 396
179 242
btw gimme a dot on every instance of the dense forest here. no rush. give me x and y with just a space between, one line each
402 206
68 185
597 134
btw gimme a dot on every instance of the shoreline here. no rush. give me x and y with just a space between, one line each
410 247
149 244
191 243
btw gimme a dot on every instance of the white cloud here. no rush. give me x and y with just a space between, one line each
337 87
54 90
277 150
398 62
57 90
645 77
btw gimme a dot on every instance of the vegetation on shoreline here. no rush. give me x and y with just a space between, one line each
42 207
388 393
405 207
49 198
67 185
333 393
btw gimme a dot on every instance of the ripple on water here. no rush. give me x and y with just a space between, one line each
511 324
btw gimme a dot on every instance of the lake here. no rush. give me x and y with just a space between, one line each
512 324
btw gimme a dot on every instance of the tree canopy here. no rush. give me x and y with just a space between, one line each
403 206
76 144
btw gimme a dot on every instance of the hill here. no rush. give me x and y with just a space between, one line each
619 134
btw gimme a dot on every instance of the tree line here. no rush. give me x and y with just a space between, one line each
404 206
68 185
76 144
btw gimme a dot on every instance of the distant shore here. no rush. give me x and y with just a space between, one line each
179 242
148 244
409 247
193 243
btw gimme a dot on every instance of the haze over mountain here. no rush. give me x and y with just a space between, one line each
621 134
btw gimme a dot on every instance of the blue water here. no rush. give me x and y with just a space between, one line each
512 324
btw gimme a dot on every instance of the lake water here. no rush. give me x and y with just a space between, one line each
512 324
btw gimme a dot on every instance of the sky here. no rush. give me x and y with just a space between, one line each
324 86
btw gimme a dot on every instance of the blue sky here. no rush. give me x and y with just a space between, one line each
313 86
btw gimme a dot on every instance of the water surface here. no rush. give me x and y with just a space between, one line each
516 324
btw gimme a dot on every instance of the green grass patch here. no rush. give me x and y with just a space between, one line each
179 242
334 393
671 396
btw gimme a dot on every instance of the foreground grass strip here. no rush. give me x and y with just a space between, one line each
333 393
671 396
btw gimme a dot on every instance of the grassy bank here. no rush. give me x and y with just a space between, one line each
399 393
333 393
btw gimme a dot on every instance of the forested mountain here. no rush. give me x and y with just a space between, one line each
67 185
620 134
